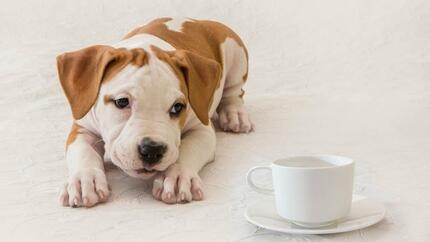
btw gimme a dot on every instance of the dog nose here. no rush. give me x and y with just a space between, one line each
150 151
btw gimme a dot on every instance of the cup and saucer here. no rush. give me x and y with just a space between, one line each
312 195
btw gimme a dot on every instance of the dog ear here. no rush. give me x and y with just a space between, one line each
82 72
202 76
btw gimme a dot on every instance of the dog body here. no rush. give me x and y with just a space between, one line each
146 103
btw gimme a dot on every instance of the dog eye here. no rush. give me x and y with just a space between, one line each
121 102
176 109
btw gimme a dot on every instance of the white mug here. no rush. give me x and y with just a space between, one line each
310 191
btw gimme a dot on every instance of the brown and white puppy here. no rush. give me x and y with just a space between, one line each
146 103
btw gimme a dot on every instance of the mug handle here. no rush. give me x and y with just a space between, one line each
251 184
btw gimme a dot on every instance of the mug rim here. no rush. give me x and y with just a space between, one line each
346 162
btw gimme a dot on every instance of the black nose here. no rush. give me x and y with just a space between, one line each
150 151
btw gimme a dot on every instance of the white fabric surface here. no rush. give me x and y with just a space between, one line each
343 77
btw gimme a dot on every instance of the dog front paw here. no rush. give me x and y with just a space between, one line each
177 185
85 188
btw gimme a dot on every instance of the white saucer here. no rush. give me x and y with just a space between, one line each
364 213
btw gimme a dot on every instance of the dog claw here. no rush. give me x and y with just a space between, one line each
101 195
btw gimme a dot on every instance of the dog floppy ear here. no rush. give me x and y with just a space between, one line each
202 76
82 72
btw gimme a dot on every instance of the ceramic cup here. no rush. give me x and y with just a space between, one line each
310 191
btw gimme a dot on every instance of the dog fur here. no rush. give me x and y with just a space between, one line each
169 64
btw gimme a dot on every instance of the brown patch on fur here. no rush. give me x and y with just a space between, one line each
183 115
242 92
107 99
198 36
139 29
199 77
74 131
82 72
137 57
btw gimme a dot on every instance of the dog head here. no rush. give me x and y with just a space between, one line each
139 100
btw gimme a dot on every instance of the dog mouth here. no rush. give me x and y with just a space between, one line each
145 171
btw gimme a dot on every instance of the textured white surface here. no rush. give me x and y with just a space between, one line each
342 76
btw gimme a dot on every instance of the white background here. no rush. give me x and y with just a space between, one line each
348 77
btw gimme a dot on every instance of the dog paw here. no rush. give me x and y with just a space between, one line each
235 118
85 188
177 185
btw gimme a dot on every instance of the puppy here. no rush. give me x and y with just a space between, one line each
146 103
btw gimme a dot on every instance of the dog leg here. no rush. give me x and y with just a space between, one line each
231 111
86 184
181 182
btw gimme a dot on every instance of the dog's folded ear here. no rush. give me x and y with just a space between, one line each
82 72
201 76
